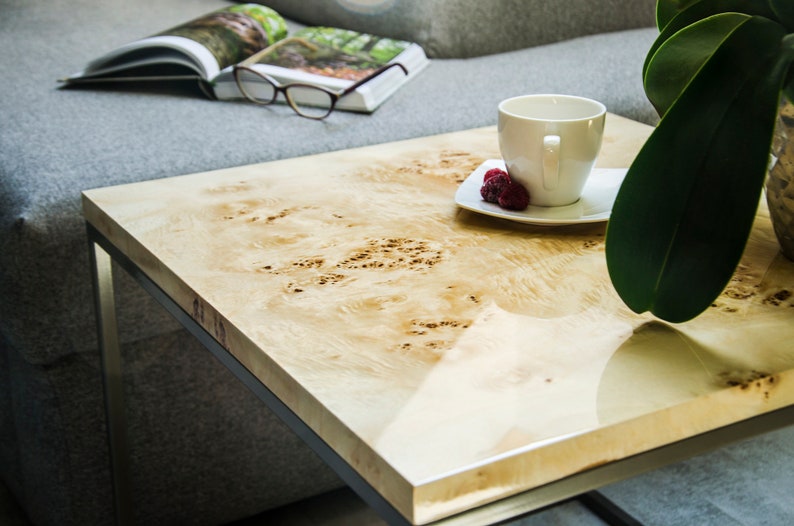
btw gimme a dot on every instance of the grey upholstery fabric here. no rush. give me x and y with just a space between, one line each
469 28
205 451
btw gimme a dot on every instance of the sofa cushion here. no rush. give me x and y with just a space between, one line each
468 28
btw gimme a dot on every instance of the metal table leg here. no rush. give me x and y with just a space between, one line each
107 328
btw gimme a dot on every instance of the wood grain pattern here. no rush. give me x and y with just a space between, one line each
451 358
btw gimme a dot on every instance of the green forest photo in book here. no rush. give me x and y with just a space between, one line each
207 48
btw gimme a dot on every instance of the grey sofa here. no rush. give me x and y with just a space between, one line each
204 450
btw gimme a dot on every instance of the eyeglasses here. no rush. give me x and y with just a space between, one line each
308 100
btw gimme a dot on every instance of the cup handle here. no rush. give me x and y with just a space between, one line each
551 161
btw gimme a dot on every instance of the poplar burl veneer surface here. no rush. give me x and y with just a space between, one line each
451 358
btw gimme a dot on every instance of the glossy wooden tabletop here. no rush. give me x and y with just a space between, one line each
450 357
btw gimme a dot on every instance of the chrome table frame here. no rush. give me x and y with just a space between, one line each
581 486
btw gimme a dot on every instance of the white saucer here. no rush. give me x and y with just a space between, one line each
595 205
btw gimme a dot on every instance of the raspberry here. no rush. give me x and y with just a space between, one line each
514 197
493 172
494 186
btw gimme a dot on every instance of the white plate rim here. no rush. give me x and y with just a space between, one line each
599 193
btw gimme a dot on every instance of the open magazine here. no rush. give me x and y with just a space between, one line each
207 48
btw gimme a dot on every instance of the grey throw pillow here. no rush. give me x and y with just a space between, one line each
467 28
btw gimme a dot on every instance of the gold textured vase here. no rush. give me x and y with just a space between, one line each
780 183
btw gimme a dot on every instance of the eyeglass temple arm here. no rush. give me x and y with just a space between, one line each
377 72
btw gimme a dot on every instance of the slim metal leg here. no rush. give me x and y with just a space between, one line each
107 328
607 510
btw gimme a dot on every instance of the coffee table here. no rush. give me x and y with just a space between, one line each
451 366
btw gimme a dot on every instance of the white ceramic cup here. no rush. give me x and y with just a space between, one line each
550 143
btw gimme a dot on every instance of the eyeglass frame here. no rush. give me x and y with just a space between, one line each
282 88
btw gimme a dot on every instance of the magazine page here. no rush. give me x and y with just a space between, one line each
335 58
334 53
203 46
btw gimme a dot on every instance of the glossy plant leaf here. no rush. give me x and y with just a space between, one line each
690 12
680 57
683 214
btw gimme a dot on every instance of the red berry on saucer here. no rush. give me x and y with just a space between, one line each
493 187
493 172
514 197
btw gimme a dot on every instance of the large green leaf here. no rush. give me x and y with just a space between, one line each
687 12
683 214
680 57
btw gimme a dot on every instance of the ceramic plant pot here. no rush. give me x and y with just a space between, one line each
780 184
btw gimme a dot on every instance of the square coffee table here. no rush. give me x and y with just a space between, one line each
452 367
